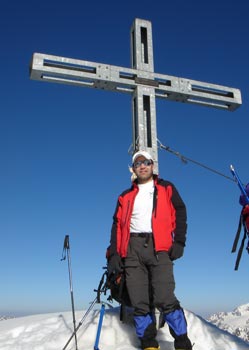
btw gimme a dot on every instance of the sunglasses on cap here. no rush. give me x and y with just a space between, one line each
146 162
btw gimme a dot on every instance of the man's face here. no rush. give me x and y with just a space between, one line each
144 172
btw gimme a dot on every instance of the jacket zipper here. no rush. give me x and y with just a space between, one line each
126 215
127 211
155 202
154 213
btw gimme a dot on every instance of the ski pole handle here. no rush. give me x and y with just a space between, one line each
239 183
65 247
66 242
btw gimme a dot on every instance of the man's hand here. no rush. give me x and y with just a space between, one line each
176 251
114 266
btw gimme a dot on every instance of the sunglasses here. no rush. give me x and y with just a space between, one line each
145 162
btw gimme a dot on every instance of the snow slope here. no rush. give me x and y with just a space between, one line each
51 331
235 322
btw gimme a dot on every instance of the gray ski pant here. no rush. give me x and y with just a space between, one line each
149 278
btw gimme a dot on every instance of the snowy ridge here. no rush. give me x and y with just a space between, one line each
52 331
4 318
235 322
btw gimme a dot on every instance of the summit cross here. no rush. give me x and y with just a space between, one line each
140 81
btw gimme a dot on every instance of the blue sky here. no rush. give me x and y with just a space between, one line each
64 149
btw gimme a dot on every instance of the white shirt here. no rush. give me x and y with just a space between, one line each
142 210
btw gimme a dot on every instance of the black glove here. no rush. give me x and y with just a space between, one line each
114 266
176 251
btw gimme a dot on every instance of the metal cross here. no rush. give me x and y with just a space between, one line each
140 81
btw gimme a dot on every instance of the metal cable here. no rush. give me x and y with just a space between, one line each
186 160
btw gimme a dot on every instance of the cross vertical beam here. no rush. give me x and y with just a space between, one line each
143 99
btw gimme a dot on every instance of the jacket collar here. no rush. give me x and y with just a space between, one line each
155 178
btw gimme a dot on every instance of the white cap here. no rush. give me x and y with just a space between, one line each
141 154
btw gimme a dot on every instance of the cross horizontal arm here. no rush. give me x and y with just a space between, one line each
108 77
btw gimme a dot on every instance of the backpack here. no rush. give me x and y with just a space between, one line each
242 198
243 222
118 290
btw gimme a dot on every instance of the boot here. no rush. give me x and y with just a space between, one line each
149 344
182 342
148 341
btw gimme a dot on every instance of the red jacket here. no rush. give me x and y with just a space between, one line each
168 218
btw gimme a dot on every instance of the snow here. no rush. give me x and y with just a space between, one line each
52 331
235 322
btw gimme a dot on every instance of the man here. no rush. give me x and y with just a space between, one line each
148 233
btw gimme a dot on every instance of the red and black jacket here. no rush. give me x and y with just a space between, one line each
169 218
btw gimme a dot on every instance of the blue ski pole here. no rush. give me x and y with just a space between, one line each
239 183
102 311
